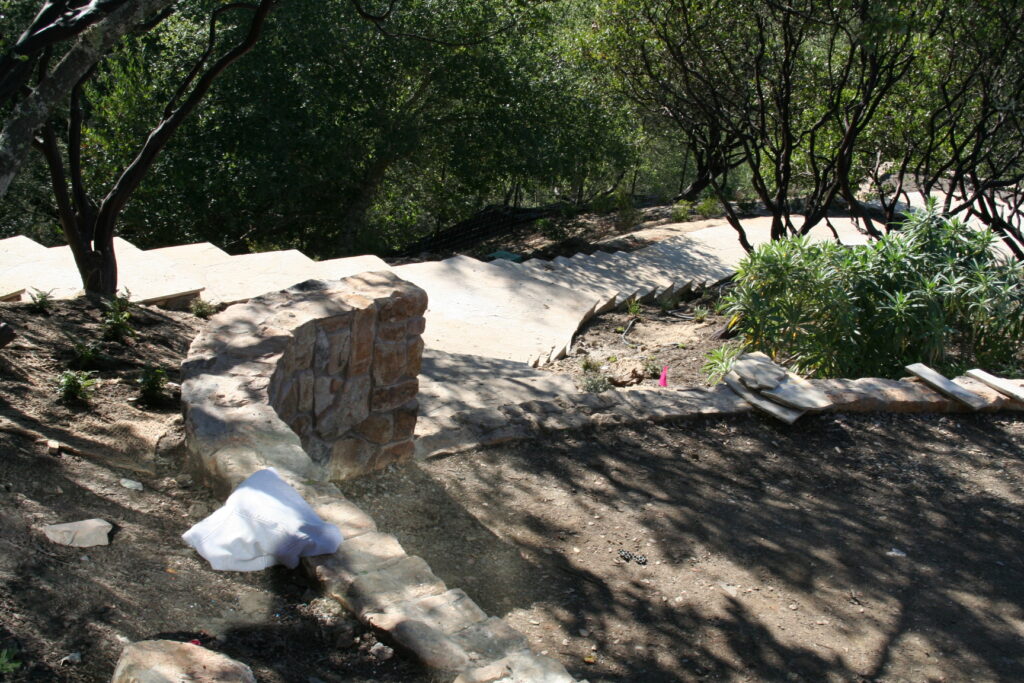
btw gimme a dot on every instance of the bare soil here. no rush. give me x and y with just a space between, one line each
843 548
618 344
56 600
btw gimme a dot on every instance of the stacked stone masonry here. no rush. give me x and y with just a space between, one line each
319 382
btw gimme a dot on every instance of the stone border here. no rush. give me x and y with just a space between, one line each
488 426
319 382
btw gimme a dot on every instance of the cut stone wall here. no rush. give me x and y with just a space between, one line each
319 379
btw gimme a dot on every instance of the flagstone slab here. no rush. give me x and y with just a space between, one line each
246 276
758 371
1003 386
779 412
150 278
945 386
339 268
797 393
478 309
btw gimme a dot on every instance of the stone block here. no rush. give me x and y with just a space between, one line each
338 354
393 396
409 304
349 457
362 554
491 640
377 428
336 322
448 612
389 362
482 419
414 357
349 519
407 580
301 347
350 405
306 381
393 331
414 327
436 650
399 451
405 420
167 661
364 333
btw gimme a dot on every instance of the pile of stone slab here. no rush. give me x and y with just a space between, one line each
773 389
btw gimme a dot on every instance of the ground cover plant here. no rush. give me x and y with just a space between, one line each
935 292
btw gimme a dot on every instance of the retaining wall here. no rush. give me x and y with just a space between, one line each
319 382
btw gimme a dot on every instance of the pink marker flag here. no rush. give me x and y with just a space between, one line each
663 382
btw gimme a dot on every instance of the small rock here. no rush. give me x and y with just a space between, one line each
793 606
131 484
381 652
584 633
53 447
184 481
84 534
627 373
896 552
151 661
7 334
73 658
199 509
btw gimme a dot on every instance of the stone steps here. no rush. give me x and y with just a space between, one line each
481 309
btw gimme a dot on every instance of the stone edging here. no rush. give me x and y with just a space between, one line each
319 382
489 426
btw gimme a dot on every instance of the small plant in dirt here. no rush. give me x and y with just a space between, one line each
152 384
708 208
613 359
40 302
588 364
620 329
595 383
681 345
700 314
651 367
682 211
718 362
202 309
935 292
75 386
633 307
117 318
86 355
8 663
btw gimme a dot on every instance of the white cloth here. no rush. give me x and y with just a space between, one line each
262 523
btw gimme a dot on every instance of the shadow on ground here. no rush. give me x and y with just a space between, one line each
843 548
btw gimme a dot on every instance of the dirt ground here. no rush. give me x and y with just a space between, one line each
843 548
632 349
56 600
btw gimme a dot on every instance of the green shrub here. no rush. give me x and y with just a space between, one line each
595 383
117 318
41 302
708 208
151 384
700 314
202 309
651 367
588 364
935 292
75 386
87 355
633 307
719 361
682 211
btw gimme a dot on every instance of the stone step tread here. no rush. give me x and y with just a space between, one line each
480 309
338 268
149 278
563 279
618 277
945 386
246 276
797 393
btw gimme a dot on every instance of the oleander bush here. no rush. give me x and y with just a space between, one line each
935 292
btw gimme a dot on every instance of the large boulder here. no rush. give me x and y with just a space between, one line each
167 661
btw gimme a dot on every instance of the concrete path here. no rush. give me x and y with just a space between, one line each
479 309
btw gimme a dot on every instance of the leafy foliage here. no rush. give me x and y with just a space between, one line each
719 361
152 384
936 292
41 302
75 386
8 663
117 318
202 309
